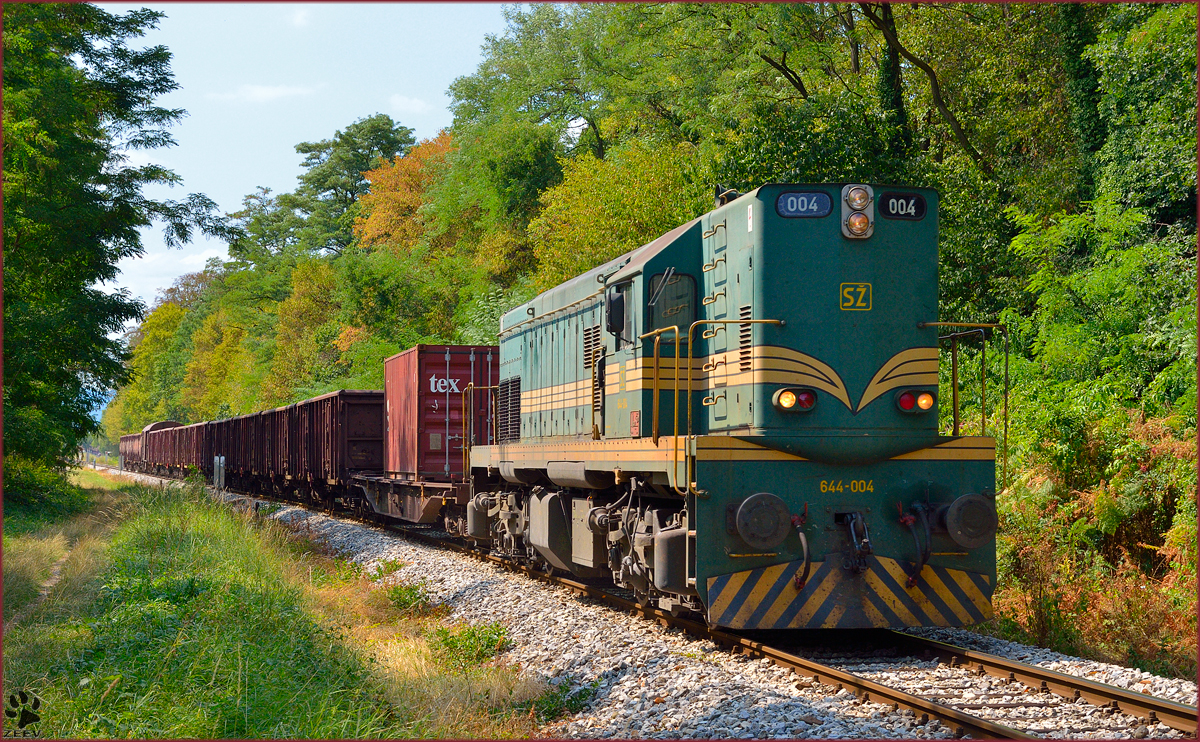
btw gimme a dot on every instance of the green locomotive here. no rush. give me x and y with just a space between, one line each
740 419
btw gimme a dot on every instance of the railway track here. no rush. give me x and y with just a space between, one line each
970 685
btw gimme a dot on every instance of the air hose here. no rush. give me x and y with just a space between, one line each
798 522
923 551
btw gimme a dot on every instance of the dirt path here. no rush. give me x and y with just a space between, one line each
43 592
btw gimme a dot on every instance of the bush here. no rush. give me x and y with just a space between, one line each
561 699
470 645
409 597
35 494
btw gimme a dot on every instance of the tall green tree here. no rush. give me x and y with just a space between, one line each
324 207
77 97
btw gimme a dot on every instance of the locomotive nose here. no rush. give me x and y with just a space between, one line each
970 520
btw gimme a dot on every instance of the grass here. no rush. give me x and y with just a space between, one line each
178 617
466 646
560 700
411 598
36 497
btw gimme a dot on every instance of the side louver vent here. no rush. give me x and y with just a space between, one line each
593 352
745 341
510 409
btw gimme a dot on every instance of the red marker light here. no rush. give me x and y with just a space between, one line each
805 399
907 401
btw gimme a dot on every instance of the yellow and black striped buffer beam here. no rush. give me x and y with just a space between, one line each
834 597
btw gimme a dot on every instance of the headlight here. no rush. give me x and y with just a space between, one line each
858 211
914 402
858 223
795 400
858 198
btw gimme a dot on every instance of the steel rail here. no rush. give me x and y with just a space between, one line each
1172 713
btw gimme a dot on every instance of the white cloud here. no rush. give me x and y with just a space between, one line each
404 104
262 93
300 17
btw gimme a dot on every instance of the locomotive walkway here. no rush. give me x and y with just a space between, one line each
906 681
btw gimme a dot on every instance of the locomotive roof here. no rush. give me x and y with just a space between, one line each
586 284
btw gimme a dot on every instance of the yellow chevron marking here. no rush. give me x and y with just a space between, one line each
834 616
811 371
819 596
900 576
721 602
891 600
766 579
873 615
912 367
943 592
976 597
785 598
830 587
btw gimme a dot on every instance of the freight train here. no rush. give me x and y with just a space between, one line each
738 420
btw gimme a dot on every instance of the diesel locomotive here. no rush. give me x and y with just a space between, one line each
738 420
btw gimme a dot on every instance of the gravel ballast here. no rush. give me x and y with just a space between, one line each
649 681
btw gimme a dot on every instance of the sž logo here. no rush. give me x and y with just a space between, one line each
442 385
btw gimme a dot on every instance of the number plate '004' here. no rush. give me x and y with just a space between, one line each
793 205
902 206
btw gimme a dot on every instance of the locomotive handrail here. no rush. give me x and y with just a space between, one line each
978 327
657 334
689 458
599 353
467 445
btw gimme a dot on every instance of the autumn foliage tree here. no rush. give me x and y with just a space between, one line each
390 213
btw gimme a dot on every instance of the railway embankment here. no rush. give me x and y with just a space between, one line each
637 679
173 615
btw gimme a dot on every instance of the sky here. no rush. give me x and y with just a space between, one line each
258 78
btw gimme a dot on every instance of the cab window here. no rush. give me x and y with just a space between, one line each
675 304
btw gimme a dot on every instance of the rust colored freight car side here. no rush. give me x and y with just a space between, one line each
424 389
131 452
277 450
341 432
156 445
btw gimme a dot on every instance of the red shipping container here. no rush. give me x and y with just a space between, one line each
424 389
